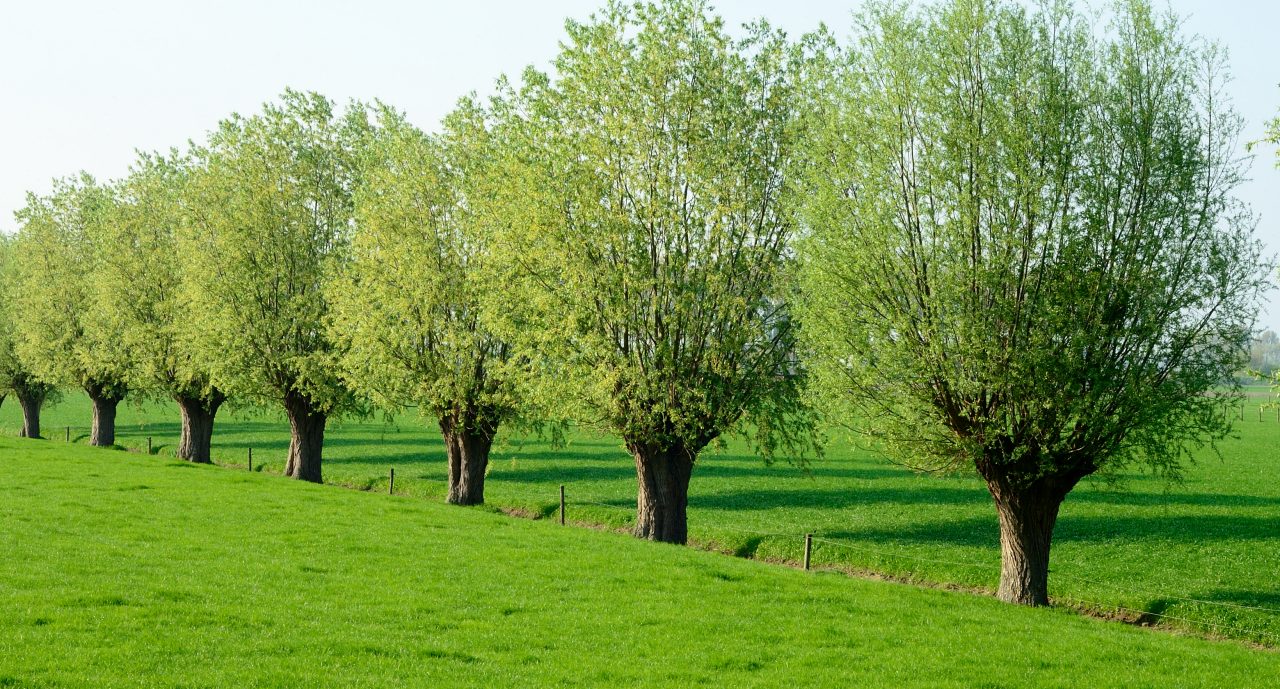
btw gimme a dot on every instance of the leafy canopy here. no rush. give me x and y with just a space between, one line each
140 278
659 254
62 336
413 306
269 225
1024 248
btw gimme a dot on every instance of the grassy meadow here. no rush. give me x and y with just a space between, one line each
123 570
1200 556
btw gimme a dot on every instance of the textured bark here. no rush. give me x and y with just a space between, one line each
31 400
1026 532
306 439
1028 511
662 499
103 431
197 426
467 443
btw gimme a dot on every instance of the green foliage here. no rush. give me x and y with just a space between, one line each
269 225
63 335
10 366
1024 245
15 376
656 267
412 307
121 595
139 280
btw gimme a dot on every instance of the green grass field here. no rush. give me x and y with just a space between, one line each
122 570
1202 556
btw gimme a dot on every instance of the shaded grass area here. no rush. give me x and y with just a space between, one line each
1201 556
122 570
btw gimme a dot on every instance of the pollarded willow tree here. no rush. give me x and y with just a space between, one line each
658 265
1026 256
414 304
63 335
15 377
268 226
139 282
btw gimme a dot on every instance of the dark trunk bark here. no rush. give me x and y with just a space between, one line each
306 439
467 444
197 426
103 431
31 401
1028 511
1026 531
662 498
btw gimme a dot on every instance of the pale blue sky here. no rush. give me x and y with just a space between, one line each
83 84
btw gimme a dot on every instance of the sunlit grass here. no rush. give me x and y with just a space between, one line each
1203 554
122 570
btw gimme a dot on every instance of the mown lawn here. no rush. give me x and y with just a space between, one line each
123 570
1201 555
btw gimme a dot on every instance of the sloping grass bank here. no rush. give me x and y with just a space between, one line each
127 570
1201 556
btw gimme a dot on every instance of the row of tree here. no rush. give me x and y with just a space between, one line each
983 236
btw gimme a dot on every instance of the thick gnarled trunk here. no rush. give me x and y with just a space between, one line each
105 399
306 438
1028 511
31 400
467 444
198 414
662 497
103 431
1026 532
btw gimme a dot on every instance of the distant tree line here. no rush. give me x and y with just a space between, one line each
1264 354
983 237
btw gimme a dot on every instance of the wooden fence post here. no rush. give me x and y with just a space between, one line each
391 487
148 445
561 504
808 549
250 459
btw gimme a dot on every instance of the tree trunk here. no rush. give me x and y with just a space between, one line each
306 439
103 431
1028 512
31 400
662 499
1026 531
467 447
197 426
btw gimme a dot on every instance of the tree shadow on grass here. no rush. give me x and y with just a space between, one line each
835 498
551 466
815 471
1269 599
984 531
560 472
1171 498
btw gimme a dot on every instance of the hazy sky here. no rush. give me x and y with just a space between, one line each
84 84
